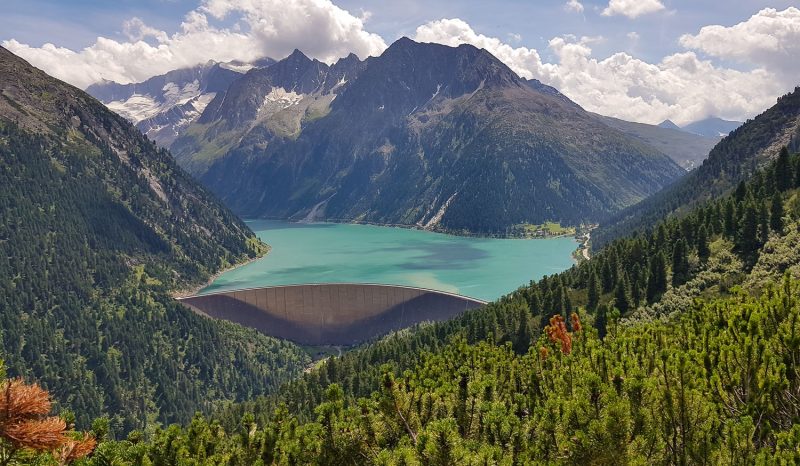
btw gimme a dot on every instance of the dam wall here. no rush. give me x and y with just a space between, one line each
330 314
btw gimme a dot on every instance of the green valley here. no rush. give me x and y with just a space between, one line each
337 233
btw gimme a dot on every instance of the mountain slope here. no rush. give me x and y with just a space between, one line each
712 127
264 105
428 135
668 124
732 160
97 227
686 149
163 106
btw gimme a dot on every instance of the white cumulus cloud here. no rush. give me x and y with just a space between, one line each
632 8
681 87
524 61
574 6
266 28
769 39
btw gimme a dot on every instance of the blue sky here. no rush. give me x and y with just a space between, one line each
548 40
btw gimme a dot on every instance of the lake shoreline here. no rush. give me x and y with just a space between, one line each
192 291
405 226
580 253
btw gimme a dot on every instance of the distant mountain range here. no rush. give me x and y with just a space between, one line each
687 149
669 124
445 138
439 137
163 106
711 127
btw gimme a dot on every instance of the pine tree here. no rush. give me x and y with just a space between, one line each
558 296
661 236
797 172
601 321
776 213
657 279
747 239
567 306
535 301
608 277
636 285
593 291
524 334
741 192
621 298
680 263
731 225
703 250
763 224
784 174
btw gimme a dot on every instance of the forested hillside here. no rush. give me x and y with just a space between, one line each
732 160
97 228
672 347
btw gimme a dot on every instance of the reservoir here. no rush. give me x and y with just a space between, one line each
483 268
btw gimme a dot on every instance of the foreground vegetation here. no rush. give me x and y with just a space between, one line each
717 384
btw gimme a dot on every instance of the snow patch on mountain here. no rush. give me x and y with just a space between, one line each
140 107
202 101
279 99
167 126
237 67
176 95
136 108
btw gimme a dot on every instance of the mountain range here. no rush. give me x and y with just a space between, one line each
438 137
163 106
711 127
687 149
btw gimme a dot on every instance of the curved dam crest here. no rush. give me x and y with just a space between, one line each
332 313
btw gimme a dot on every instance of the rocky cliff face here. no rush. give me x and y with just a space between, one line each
429 135
163 106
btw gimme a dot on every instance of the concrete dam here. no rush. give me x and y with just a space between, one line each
330 314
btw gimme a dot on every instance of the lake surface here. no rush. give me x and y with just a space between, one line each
482 268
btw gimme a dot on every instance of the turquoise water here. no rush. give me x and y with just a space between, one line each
326 252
